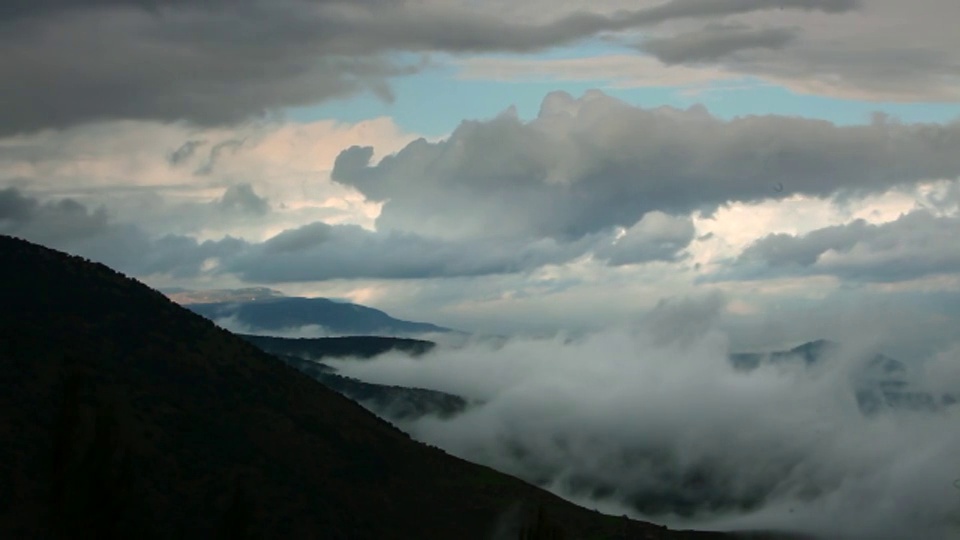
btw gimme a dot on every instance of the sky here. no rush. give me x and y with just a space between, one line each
632 189
505 167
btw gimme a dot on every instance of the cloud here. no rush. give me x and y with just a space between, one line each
267 186
127 167
242 198
318 252
216 151
75 62
51 222
68 225
588 214
843 55
656 237
585 165
657 423
916 245
185 152
715 42
621 70
853 57
213 65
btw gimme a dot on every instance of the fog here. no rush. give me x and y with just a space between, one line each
653 421
235 325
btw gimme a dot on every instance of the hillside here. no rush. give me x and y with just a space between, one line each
124 415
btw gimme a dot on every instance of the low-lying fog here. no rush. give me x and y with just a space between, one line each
656 423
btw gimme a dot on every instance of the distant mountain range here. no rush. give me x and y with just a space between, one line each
396 403
262 311
880 383
248 294
123 415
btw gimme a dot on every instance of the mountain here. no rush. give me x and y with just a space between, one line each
395 403
339 347
124 415
392 402
880 383
270 314
248 294
809 353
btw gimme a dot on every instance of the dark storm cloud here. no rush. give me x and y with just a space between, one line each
184 152
207 66
51 222
19 9
917 244
70 226
458 31
589 164
872 69
715 42
215 154
66 63
655 422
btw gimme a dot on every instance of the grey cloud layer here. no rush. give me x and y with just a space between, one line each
205 67
917 244
318 251
715 42
893 51
49 223
70 226
656 237
71 62
590 177
593 163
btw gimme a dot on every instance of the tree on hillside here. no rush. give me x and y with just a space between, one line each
92 489
541 529
236 523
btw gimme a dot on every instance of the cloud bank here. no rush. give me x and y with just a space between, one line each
591 180
916 245
596 162
654 421
840 53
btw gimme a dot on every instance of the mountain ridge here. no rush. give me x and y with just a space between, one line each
293 313
125 415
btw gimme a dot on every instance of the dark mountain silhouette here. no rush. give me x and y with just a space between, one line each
339 347
391 402
278 314
809 353
124 415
